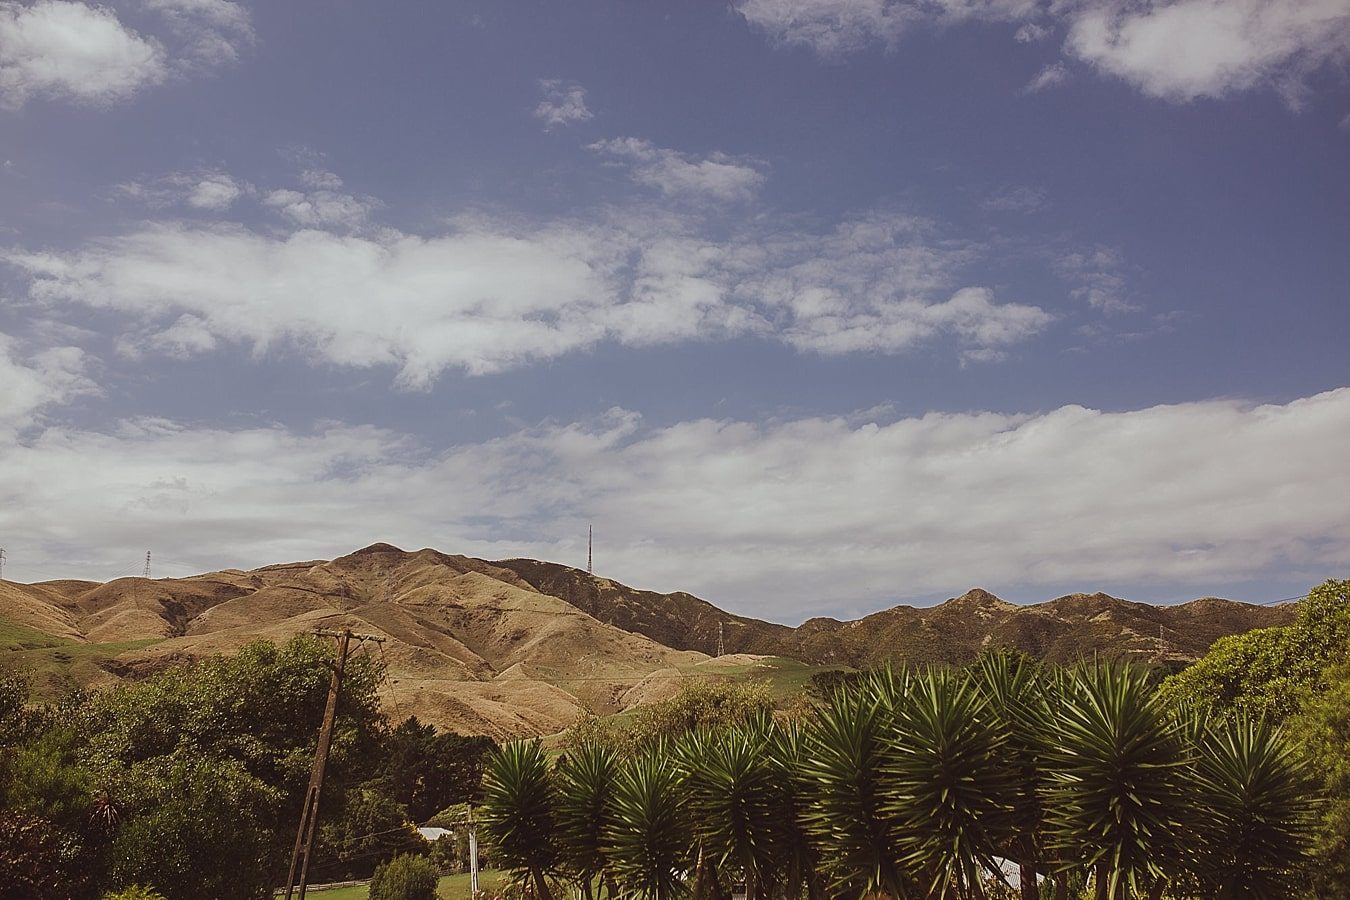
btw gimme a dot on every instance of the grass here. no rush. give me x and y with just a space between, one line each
451 887
57 665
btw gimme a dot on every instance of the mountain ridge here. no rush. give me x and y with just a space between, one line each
520 646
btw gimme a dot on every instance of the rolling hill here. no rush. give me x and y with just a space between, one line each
523 647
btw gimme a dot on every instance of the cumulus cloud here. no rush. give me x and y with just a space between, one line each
210 190
1178 50
31 383
323 205
75 52
493 294
564 103
717 176
83 53
1208 48
788 518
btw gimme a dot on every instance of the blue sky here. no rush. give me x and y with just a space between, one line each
810 306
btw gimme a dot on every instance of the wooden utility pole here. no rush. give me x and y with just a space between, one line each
309 815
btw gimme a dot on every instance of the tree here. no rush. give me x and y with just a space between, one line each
369 828
946 784
1017 701
1271 671
649 836
843 773
1323 729
196 827
737 797
1256 796
584 808
518 814
427 771
1116 795
696 705
405 877
31 867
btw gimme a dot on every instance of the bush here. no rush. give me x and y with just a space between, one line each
135 892
30 858
406 877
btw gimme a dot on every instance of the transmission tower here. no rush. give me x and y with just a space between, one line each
590 545
147 564
721 641
2 563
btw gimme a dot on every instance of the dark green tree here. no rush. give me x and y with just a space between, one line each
426 770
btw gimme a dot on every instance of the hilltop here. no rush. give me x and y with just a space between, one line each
523 647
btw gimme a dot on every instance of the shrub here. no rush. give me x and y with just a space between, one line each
406 877
135 892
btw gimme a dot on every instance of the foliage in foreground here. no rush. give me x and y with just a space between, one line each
190 782
405 877
912 784
1297 676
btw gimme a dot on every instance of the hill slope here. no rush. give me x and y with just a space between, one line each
1060 630
523 647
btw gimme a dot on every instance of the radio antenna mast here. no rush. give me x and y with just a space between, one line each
721 641
590 544
2 563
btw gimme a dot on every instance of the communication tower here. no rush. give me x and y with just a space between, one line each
147 564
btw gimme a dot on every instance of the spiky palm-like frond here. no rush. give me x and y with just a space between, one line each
584 805
801 860
648 841
1116 797
1012 684
1256 793
947 788
737 797
518 813
843 771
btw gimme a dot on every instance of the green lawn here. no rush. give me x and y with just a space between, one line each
452 887
56 664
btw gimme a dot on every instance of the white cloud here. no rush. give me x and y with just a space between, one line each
564 103
32 383
84 53
489 294
1097 278
717 176
811 515
1190 49
1052 75
324 206
211 190
73 51
211 33
1179 50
